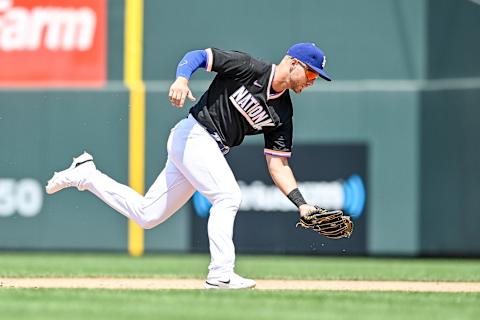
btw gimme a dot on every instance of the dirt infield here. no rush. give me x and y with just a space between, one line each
159 284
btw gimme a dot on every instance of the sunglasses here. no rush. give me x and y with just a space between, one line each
311 75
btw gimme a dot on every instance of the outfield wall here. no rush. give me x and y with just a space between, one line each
405 86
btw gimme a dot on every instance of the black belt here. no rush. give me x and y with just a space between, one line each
223 148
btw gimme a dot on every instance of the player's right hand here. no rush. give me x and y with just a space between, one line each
179 90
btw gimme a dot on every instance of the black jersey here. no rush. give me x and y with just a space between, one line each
240 102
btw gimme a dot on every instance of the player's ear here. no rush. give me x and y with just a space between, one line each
290 62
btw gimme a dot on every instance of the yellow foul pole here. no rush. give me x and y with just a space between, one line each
133 56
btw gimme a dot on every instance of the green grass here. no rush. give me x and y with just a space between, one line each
260 267
109 304
82 304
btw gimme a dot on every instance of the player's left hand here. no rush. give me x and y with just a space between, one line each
179 90
306 209
329 223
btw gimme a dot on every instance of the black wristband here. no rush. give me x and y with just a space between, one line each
296 197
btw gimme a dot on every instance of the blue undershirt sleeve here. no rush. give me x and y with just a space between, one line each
191 62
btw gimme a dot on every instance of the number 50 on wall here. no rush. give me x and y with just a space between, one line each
24 196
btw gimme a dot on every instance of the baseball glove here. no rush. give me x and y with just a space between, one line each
329 223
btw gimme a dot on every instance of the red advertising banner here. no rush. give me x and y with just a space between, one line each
52 43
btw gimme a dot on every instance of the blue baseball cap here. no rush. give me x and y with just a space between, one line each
311 55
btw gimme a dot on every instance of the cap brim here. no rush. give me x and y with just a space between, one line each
322 73
324 76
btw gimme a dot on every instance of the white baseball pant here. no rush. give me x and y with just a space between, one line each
194 162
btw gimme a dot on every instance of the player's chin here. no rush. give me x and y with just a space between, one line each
298 89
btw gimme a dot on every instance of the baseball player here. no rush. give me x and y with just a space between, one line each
248 96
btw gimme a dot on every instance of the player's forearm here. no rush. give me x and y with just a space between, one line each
281 174
191 62
284 179
286 182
